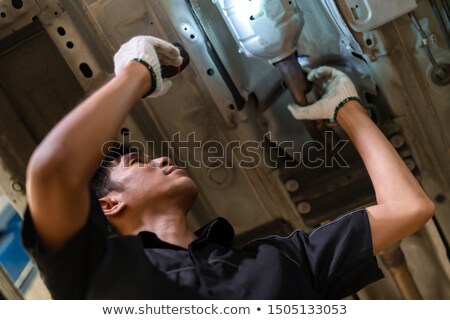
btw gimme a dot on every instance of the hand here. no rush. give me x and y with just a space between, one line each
338 88
151 52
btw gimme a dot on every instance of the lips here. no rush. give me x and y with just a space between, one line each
172 169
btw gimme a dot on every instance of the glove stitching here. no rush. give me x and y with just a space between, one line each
342 103
152 75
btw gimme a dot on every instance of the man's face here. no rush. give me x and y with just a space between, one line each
156 183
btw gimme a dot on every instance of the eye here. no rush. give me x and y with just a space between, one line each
138 158
133 159
141 159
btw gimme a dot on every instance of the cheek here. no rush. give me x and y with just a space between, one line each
148 182
141 190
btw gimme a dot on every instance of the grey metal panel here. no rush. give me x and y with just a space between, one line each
38 89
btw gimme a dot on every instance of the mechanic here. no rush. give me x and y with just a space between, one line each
153 254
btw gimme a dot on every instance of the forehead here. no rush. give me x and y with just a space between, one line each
124 160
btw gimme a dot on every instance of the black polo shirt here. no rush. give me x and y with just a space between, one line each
331 262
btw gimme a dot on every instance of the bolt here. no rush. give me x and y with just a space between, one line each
291 185
397 141
304 207
372 57
218 175
440 72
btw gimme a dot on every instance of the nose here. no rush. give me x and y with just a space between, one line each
161 162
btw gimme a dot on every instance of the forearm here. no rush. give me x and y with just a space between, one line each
391 178
402 206
74 147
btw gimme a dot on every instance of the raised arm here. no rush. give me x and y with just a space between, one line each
60 169
402 205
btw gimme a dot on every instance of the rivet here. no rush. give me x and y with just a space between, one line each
291 185
304 207
17 186
397 141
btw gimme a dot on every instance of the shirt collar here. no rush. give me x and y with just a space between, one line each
218 231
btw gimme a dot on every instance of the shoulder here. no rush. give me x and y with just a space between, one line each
66 269
355 221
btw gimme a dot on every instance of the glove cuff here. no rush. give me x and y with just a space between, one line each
152 76
342 103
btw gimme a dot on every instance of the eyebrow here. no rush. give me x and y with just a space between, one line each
134 155
129 156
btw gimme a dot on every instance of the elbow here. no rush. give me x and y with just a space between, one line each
429 209
423 210
44 162
47 166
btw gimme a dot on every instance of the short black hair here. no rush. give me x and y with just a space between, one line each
101 183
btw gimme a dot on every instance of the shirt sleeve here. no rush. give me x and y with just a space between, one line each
338 255
66 272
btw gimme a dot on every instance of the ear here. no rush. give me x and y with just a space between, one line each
111 206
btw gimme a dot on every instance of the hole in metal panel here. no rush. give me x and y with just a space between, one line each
17 4
357 55
61 31
86 70
32 91
439 198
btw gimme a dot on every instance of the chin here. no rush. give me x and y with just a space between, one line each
193 191
188 192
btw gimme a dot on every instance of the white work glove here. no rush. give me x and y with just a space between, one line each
151 52
339 89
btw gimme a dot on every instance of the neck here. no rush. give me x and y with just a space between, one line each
170 227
